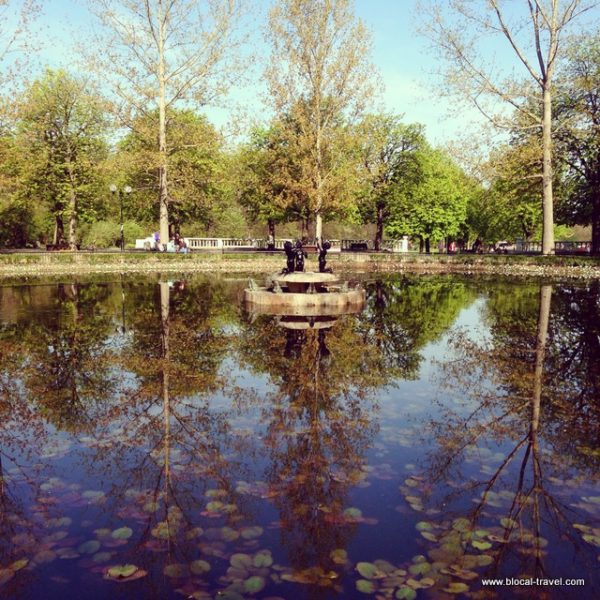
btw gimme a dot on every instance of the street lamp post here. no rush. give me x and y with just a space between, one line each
115 190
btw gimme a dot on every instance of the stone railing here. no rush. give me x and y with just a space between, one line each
219 243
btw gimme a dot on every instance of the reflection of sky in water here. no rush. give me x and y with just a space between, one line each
398 454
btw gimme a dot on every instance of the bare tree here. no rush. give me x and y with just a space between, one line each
320 59
158 53
464 31
16 17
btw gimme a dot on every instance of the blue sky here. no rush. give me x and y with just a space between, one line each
402 57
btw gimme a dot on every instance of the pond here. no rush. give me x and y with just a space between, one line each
157 441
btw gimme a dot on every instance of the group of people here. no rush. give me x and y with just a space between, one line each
176 242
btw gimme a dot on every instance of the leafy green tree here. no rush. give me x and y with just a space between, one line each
60 139
579 139
434 206
388 154
194 161
256 166
511 206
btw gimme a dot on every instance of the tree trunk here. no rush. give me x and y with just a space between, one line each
163 196
72 210
318 228
547 199
540 353
421 244
59 230
379 230
427 246
73 221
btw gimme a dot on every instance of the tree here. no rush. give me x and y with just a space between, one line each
159 54
15 19
511 206
257 190
320 72
60 138
434 206
579 138
194 163
533 31
388 155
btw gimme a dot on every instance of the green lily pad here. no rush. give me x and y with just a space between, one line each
250 533
406 593
254 584
262 559
240 561
420 568
123 533
369 570
199 567
122 571
365 586
353 513
481 545
424 526
89 547
176 570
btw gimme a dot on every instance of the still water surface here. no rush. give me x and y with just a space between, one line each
158 442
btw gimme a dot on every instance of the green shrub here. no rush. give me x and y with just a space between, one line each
101 234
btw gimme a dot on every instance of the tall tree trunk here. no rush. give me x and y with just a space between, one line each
163 196
547 198
379 230
59 230
427 246
318 228
72 210
421 244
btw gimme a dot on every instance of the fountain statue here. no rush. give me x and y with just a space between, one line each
295 291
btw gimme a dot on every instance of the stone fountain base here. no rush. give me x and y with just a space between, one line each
308 294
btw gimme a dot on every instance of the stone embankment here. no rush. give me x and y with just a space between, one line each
67 263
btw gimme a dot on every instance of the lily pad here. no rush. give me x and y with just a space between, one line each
123 533
240 561
254 584
176 570
120 571
369 570
481 545
199 567
250 533
405 593
89 547
262 559
365 586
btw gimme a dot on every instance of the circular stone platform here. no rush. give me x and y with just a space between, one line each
298 283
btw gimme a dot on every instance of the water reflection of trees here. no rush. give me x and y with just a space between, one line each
527 393
404 314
